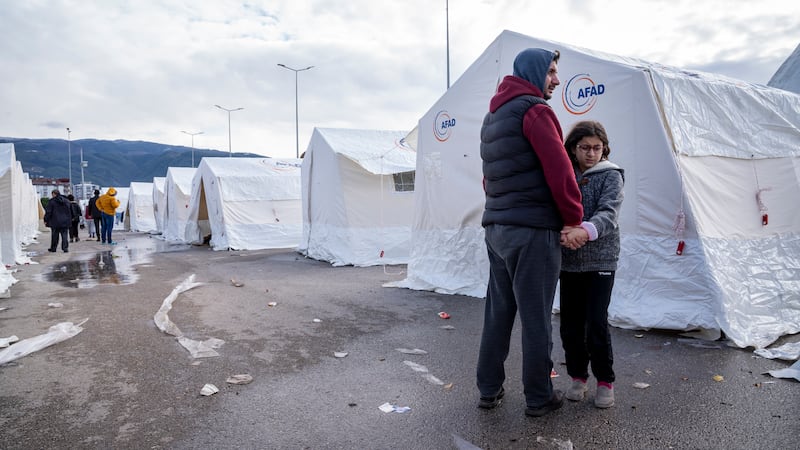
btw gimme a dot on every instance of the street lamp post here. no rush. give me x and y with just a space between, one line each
230 151
83 183
69 159
200 132
296 113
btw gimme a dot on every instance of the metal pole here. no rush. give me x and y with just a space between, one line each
83 183
447 17
296 119
200 132
69 158
296 109
230 149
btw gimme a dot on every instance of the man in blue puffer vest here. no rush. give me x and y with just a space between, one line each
531 196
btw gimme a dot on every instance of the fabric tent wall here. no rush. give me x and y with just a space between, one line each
246 203
139 213
672 131
177 190
787 77
159 202
352 212
19 221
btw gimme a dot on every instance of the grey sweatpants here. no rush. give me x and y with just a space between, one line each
524 265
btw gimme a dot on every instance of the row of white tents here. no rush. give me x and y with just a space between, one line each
20 212
712 164
349 201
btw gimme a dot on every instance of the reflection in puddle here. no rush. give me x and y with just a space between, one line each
106 267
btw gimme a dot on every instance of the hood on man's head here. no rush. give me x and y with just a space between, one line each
532 65
111 191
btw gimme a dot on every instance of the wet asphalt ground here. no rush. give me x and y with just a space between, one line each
122 383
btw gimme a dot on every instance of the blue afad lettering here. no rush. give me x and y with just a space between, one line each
448 123
590 91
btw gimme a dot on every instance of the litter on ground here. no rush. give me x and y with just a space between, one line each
388 407
209 389
57 333
412 351
241 378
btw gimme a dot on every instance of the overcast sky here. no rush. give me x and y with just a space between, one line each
149 69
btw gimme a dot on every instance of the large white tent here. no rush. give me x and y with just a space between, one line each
20 211
358 197
706 158
139 214
159 202
787 77
246 203
178 192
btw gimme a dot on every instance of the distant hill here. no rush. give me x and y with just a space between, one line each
110 163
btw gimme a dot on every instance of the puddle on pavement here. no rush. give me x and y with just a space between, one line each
115 266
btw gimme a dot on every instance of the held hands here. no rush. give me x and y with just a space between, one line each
574 237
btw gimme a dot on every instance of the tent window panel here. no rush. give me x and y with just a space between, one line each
404 181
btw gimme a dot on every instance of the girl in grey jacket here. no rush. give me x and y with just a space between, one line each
587 273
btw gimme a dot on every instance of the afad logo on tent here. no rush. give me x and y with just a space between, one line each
580 94
443 126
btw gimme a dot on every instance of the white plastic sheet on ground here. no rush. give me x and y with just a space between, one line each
57 333
198 349
789 352
792 371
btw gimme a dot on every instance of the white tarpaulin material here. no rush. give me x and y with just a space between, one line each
355 211
723 152
787 77
19 209
139 215
246 203
178 193
159 202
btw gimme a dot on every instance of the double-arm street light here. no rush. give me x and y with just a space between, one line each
230 151
296 114
200 132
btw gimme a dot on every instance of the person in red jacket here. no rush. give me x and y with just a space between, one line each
531 197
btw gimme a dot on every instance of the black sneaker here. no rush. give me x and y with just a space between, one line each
51 250
552 405
491 402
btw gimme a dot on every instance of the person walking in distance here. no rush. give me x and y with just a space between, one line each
97 215
76 218
587 273
58 217
531 196
108 204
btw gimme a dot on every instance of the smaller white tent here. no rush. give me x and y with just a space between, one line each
358 197
246 203
139 215
159 202
122 196
178 191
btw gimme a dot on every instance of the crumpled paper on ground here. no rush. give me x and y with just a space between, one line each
57 333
